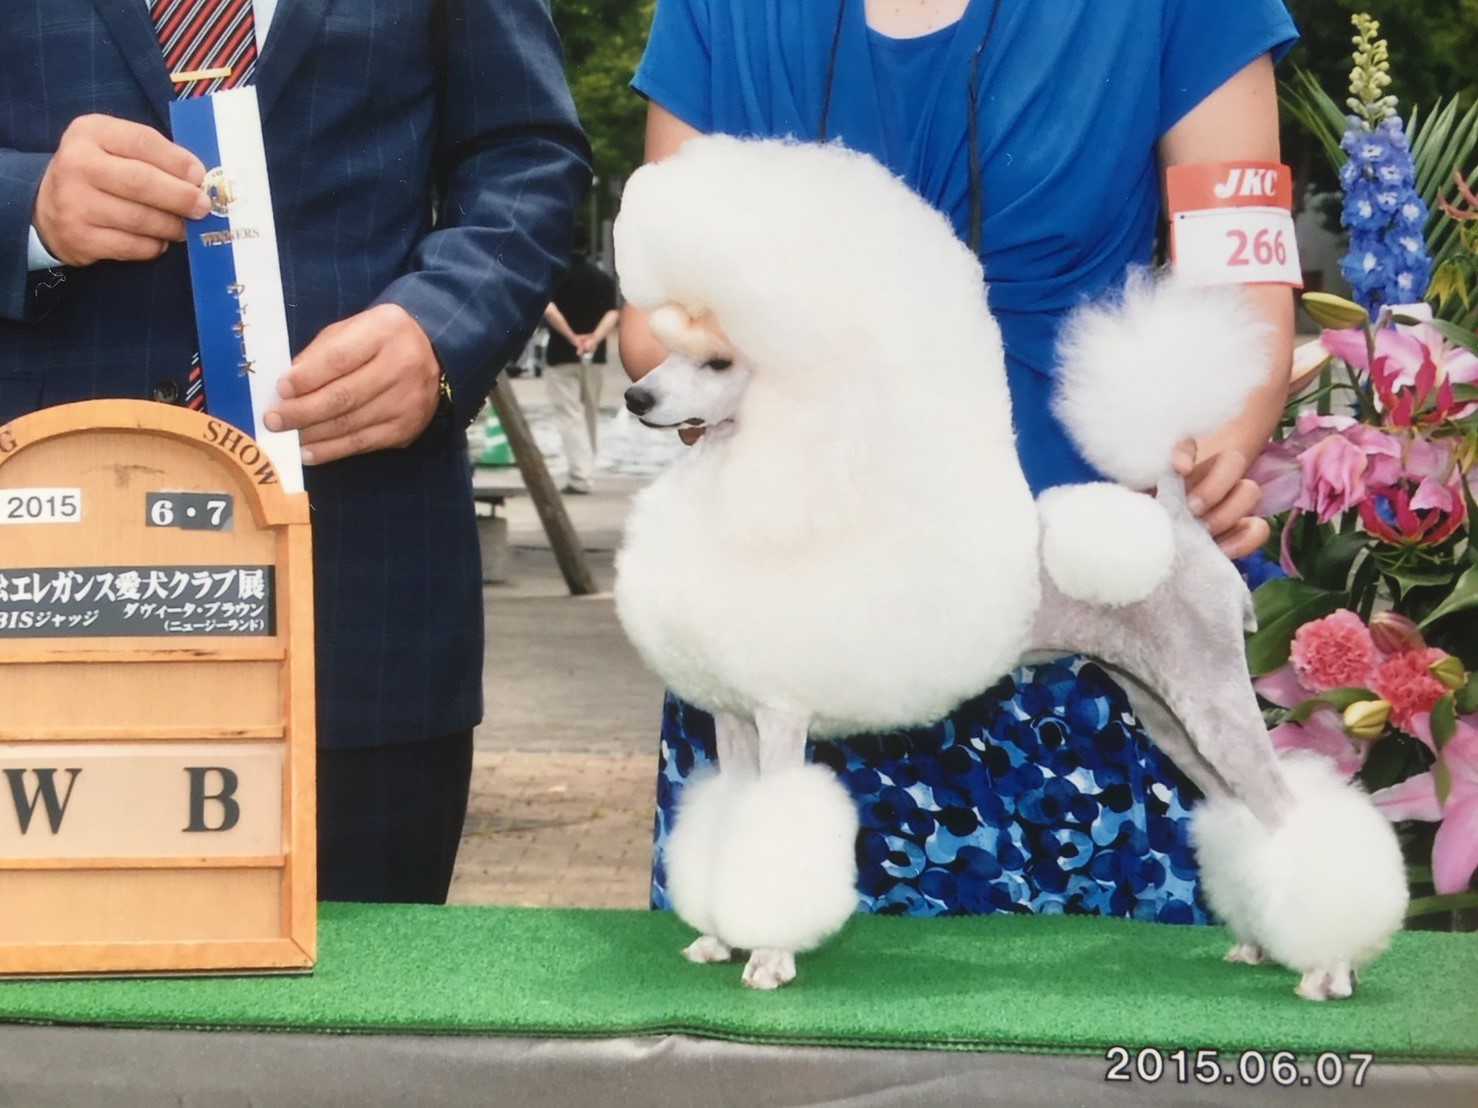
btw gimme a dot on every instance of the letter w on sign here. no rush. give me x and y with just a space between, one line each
45 793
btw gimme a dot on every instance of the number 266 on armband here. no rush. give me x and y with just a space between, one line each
1231 223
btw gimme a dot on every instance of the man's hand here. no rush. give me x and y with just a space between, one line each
1223 499
365 383
117 190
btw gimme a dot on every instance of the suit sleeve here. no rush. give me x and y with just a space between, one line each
20 290
513 165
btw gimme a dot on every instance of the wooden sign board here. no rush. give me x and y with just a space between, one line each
156 698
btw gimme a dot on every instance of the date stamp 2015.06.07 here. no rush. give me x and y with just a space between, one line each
1210 1066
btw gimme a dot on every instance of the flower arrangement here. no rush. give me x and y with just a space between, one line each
1367 644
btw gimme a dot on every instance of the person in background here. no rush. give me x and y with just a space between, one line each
426 167
580 317
1041 131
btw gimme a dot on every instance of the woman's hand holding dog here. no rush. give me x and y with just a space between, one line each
1222 498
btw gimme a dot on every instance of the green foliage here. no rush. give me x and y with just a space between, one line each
1283 606
1432 44
1432 47
1444 148
603 42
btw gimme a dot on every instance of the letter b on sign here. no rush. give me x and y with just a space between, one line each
225 783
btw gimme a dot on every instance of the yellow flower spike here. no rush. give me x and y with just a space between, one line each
1449 671
1366 719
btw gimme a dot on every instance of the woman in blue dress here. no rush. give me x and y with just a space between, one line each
1040 128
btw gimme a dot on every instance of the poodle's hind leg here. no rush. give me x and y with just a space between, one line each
1297 862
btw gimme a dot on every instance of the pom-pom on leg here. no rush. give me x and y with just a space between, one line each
692 848
1322 892
765 864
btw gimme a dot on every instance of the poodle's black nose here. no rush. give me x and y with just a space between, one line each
639 401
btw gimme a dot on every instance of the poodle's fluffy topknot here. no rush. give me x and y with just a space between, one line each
800 222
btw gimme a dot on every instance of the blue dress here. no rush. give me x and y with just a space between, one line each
1041 794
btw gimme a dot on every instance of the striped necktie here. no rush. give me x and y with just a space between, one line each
208 44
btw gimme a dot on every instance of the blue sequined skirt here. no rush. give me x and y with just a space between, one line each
1043 794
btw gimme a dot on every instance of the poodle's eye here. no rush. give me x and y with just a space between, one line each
718 363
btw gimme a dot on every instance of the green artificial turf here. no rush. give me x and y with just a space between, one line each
1047 984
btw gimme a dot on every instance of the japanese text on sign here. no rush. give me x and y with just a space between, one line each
93 601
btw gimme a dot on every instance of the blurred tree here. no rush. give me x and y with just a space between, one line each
1432 47
603 41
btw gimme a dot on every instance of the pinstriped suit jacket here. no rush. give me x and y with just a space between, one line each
370 108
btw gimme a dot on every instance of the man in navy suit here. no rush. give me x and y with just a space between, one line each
426 165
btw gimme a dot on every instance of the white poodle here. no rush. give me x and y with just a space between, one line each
852 547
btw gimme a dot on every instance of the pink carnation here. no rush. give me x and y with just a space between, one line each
1333 651
1403 681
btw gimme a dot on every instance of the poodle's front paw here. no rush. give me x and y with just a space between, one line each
708 948
1332 982
769 969
1247 954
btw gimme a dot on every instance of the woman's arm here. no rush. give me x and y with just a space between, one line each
640 352
1237 121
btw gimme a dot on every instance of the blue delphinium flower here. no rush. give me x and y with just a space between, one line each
1257 567
1388 261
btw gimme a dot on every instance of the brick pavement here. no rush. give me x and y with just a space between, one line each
564 769
557 830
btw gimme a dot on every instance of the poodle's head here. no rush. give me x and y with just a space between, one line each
700 383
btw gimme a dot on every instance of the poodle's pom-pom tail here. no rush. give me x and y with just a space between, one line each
765 862
1326 886
1168 361
1103 543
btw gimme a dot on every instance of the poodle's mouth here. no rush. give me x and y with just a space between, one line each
692 424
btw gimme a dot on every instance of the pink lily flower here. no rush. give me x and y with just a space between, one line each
1324 466
1414 496
1414 365
1455 848
1278 475
1333 472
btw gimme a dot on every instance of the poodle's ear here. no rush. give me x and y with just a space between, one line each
696 337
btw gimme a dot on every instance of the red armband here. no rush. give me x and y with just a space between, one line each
1231 223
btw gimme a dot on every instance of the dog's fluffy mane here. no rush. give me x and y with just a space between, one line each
876 377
